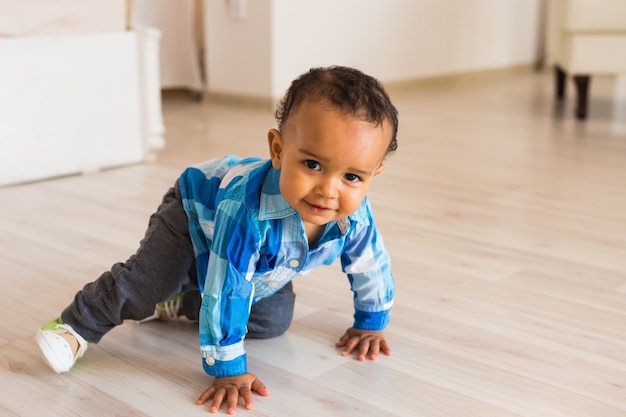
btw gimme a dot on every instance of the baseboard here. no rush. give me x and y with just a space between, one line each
459 77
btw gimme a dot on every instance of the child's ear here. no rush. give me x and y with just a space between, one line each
275 142
379 169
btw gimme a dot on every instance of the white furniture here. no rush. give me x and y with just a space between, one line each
61 17
77 96
585 38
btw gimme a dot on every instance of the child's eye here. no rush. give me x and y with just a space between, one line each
352 178
311 164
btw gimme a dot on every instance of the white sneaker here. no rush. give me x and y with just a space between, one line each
60 344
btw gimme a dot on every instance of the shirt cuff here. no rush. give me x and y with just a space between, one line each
371 320
217 368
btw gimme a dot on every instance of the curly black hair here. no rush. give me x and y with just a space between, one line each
348 89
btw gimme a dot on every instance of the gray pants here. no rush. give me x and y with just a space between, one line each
164 265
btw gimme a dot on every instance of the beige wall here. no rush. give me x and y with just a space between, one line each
261 51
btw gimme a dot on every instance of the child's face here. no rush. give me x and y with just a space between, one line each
327 161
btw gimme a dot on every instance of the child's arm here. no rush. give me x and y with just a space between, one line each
366 343
225 310
367 263
230 389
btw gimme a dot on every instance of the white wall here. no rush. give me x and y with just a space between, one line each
393 40
239 52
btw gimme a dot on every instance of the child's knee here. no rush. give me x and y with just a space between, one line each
272 316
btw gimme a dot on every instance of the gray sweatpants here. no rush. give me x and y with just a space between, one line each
164 265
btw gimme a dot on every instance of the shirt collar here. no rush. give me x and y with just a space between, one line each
273 205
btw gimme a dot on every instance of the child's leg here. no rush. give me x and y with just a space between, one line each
162 266
271 317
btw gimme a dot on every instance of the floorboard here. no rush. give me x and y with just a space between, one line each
506 221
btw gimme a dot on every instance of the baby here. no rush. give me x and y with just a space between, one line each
231 234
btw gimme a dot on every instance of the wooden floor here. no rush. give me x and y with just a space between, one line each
506 221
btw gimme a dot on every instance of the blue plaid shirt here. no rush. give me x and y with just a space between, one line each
249 243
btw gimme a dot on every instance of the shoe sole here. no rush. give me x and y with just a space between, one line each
56 362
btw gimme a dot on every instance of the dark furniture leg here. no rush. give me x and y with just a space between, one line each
582 90
559 78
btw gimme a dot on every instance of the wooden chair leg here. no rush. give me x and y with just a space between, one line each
582 89
559 81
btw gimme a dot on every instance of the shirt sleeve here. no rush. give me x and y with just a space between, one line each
367 264
228 291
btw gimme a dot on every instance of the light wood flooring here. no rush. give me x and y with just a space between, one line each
506 221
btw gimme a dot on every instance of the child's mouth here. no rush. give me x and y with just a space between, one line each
317 209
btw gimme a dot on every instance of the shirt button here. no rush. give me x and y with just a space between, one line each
294 263
272 284
210 360
326 245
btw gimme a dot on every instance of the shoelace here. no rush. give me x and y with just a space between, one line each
169 309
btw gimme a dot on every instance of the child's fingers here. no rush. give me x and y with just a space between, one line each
246 394
365 347
385 348
368 345
350 345
343 340
374 349
232 397
259 387
208 393
218 398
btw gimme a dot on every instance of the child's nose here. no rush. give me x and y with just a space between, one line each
328 187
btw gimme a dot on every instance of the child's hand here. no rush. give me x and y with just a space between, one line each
231 388
367 343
